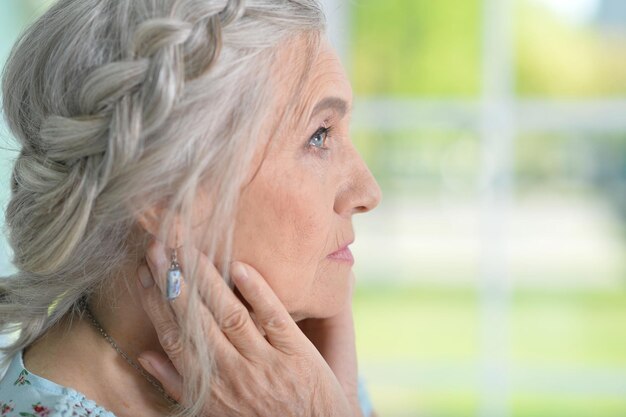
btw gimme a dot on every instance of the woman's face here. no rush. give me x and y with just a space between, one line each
297 208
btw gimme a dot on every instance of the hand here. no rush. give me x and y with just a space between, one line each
335 340
302 383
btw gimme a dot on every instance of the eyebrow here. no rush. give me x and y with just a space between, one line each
336 103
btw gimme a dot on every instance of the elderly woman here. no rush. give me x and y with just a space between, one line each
181 212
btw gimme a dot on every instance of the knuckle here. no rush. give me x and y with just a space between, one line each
171 343
276 323
235 319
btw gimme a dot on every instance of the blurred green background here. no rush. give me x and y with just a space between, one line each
491 278
454 318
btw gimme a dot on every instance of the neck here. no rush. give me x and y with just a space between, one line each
74 353
118 310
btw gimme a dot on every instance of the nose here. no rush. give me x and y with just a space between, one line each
360 193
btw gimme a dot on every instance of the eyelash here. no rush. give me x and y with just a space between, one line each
325 130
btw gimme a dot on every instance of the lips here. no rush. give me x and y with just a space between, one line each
342 247
343 254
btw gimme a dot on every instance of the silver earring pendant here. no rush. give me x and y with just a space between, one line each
174 277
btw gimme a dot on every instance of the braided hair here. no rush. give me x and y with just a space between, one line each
118 105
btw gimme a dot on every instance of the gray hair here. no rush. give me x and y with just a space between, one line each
119 106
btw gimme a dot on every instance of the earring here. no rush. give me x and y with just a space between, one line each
174 277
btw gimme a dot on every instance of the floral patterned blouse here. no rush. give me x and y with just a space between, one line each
24 394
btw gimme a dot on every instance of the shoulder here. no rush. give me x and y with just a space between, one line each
24 394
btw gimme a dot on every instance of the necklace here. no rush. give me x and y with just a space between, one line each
152 381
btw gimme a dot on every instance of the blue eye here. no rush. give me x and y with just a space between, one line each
318 140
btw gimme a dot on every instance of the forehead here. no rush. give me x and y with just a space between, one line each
327 78
305 75
328 68
302 78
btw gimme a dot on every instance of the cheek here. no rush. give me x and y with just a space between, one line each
282 231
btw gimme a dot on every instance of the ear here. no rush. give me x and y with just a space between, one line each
150 220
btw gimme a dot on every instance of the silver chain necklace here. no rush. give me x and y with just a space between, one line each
83 304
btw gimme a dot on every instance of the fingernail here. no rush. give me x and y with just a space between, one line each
239 272
145 277
147 365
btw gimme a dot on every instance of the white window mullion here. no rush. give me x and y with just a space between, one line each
497 132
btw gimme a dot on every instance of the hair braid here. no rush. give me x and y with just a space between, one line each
119 105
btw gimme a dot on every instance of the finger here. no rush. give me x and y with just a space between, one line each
219 301
167 326
161 316
211 287
282 332
159 265
164 371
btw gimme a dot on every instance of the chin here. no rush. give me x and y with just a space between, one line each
325 296
320 310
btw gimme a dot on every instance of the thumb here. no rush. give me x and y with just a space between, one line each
280 330
161 368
